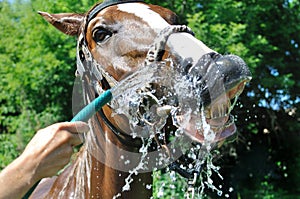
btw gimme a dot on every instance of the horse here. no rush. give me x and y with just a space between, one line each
116 38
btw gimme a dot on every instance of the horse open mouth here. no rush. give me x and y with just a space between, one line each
202 88
217 123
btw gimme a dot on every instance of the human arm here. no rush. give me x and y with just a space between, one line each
48 152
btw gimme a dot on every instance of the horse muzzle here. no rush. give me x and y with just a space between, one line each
195 86
206 85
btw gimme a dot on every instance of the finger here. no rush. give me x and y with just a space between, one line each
75 127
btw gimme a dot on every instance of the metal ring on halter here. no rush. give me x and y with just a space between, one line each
156 50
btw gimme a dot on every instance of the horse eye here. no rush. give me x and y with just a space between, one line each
100 35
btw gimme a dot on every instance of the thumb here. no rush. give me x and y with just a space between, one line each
75 127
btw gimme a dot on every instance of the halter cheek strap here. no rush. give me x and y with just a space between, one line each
92 73
124 138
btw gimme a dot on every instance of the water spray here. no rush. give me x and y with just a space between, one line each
120 89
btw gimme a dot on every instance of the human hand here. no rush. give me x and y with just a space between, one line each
52 147
48 152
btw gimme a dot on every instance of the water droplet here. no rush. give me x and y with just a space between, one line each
220 193
172 186
173 175
127 162
149 186
160 193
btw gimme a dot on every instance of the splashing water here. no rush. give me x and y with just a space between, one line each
138 79
148 107
148 97
143 150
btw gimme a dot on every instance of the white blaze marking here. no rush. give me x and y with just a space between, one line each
143 11
187 46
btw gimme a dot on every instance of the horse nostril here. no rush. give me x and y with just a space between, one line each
234 70
186 65
214 55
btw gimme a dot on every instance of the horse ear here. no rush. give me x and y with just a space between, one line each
68 23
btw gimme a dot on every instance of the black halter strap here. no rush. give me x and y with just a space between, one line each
106 4
127 140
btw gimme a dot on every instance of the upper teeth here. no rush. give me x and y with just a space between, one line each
219 109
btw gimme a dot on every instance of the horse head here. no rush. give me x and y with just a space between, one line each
117 38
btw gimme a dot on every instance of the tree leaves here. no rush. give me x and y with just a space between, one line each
37 66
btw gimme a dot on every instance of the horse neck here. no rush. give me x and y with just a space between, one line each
103 152
107 182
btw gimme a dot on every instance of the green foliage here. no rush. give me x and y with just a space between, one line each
37 66
167 185
8 150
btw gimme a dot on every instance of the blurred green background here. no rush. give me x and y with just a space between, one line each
37 65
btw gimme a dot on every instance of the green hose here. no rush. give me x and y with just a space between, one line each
87 112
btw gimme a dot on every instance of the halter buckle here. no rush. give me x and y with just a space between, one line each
190 193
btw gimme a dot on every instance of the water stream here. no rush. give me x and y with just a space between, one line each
148 108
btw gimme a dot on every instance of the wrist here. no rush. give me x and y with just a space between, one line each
17 178
28 165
